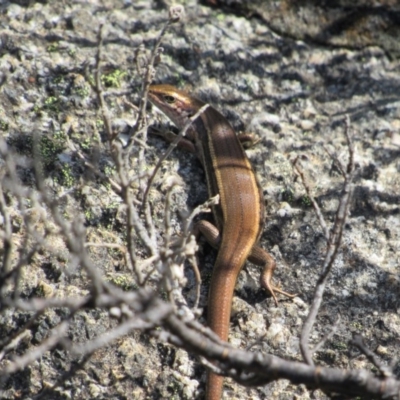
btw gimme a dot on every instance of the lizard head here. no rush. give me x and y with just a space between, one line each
178 105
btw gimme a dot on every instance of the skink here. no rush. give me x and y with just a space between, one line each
239 215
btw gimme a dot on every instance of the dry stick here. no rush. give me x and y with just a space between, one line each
74 368
131 105
193 262
170 149
108 245
144 264
23 361
75 236
166 254
184 245
98 86
311 197
334 243
133 218
205 207
263 368
104 109
12 341
385 370
175 14
28 248
325 229
167 215
111 335
267 368
150 223
7 272
40 305
336 160
93 168
140 127
23 261
328 335
116 153
7 239
213 367
13 185
74 232
134 222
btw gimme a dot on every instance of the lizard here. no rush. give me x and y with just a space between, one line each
239 216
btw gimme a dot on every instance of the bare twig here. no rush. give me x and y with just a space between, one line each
12 341
336 160
98 86
7 238
334 242
385 370
109 245
21 362
175 14
140 127
189 242
113 334
93 168
64 377
267 368
328 335
317 210
150 311
170 149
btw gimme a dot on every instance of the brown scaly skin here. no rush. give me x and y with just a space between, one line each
239 215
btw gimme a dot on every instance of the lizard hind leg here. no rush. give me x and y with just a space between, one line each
259 256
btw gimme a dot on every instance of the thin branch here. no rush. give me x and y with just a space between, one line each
140 127
170 149
175 15
150 311
385 370
328 335
12 341
93 168
190 245
98 85
334 242
77 366
315 205
21 362
336 160
267 368
7 237
107 245
111 335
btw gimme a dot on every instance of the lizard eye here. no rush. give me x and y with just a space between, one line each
169 99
